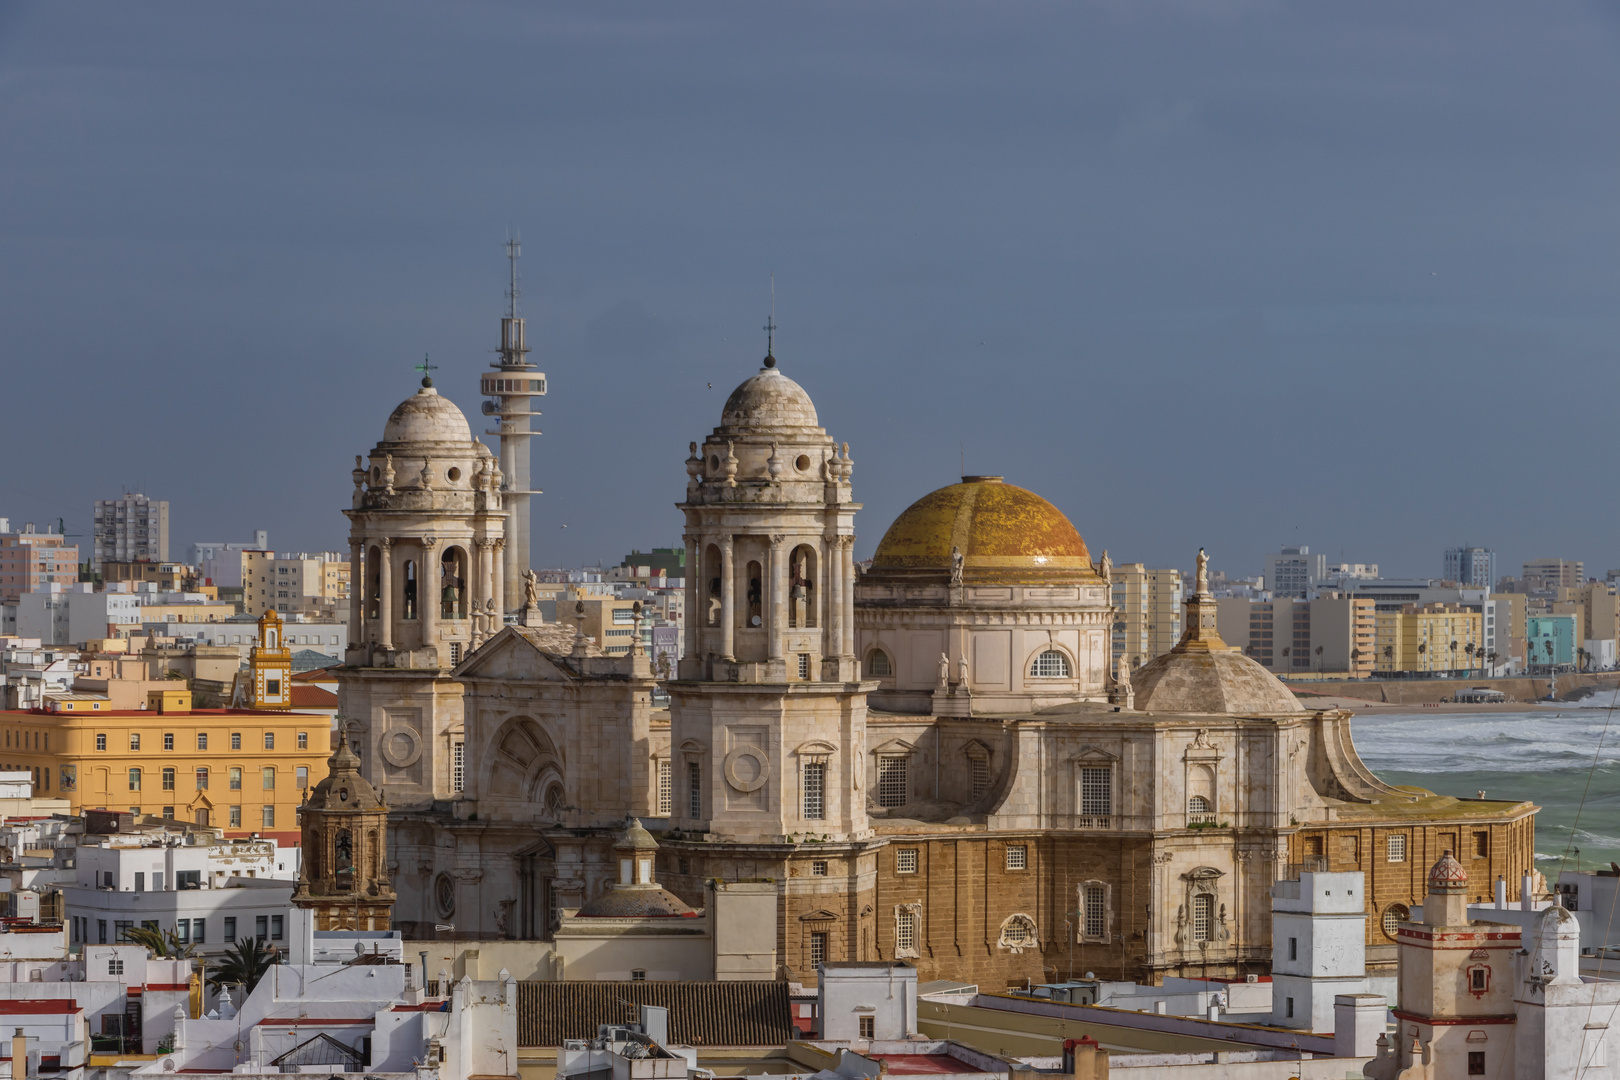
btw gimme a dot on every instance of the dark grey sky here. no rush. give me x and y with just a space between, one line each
1230 274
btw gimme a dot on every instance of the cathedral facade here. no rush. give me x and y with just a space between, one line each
931 762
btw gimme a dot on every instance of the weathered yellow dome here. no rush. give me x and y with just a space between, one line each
997 527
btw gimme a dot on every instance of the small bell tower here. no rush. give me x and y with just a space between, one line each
270 667
344 831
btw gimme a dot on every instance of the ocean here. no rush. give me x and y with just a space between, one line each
1544 754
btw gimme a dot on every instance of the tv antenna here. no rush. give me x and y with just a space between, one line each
514 248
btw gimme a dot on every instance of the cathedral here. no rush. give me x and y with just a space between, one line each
931 759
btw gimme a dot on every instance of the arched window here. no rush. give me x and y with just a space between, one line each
878 665
1051 664
1197 805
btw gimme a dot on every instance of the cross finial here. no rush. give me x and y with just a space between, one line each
424 367
770 329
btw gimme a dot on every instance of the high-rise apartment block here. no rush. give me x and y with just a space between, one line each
32 561
1289 573
1471 567
1332 633
1147 612
130 529
295 582
1554 574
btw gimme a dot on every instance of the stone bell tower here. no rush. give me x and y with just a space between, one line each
344 827
426 539
769 716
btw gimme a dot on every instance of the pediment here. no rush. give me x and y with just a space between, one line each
692 746
821 915
975 748
1203 873
1094 755
815 748
511 655
894 746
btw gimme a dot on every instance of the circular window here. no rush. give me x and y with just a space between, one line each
444 894
802 463
343 794
1394 915
376 474
554 798
714 463
454 474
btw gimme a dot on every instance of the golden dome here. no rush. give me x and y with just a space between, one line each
1001 530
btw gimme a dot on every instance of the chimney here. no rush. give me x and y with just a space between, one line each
1501 893
19 1055
1527 900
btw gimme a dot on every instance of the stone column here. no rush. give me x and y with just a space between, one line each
728 599
846 597
475 584
500 583
691 591
357 593
832 590
776 607
487 560
385 588
427 588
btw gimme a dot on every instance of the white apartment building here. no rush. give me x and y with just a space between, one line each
210 896
1289 573
67 615
295 582
129 529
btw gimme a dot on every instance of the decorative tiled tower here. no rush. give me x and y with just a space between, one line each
344 825
270 667
768 717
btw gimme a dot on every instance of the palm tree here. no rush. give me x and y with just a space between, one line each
243 964
1423 651
163 944
1469 649
1389 658
1454 654
1490 658
1355 658
1319 659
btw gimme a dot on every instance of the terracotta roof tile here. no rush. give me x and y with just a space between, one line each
700 1013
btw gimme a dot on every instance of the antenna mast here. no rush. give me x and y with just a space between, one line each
512 386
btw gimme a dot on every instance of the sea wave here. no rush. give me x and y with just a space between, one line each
1526 742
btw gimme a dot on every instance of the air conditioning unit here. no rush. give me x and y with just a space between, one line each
1251 978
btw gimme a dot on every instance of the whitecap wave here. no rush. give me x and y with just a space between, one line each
1510 743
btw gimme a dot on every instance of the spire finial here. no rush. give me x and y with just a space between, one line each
514 248
770 329
424 367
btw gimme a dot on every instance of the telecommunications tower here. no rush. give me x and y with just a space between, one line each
509 388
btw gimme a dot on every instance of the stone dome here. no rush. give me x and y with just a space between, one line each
1203 674
427 417
343 787
997 526
1212 681
1447 875
635 902
768 401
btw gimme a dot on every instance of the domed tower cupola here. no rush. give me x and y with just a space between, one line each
344 832
770 530
637 893
426 538
768 716
1447 902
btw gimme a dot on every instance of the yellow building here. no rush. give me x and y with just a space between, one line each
1429 639
312 584
239 770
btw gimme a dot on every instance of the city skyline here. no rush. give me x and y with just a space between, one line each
1018 244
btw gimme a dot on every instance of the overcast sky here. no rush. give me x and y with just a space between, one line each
1220 274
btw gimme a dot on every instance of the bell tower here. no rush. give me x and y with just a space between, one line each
270 667
768 715
344 828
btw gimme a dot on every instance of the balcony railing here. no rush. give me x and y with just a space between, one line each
1094 821
1202 819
